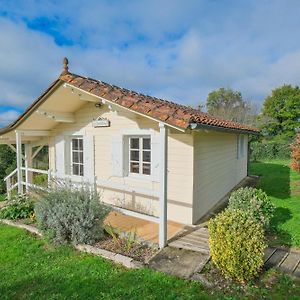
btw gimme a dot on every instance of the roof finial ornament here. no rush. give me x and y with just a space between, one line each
66 66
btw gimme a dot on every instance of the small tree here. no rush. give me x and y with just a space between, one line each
296 154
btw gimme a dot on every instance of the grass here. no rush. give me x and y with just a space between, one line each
2 197
32 269
283 186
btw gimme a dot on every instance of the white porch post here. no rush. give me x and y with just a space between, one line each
19 161
163 141
28 164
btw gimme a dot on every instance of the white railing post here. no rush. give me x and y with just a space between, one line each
49 178
19 161
8 188
163 225
28 164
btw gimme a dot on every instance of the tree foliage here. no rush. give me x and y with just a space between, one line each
229 104
282 108
7 164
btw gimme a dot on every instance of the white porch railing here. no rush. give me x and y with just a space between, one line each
11 185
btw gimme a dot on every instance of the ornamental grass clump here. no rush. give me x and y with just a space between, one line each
253 201
68 215
237 244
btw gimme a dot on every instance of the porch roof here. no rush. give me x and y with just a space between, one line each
176 115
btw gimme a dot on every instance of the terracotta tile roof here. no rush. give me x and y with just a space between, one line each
169 112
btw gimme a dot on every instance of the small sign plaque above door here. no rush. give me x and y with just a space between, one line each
101 122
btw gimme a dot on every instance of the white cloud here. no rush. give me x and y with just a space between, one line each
8 117
173 49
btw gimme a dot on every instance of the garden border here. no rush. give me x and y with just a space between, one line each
117 258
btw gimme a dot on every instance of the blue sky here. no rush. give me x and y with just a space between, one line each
174 49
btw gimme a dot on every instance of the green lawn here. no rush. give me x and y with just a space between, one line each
283 186
32 269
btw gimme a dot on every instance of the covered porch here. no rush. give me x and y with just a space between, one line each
27 144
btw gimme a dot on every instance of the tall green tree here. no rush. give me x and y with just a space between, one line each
282 108
7 164
229 104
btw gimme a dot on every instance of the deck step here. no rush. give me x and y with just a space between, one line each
275 259
290 263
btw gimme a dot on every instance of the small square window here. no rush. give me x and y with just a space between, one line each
140 155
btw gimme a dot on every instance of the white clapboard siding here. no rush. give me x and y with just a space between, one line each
117 156
88 158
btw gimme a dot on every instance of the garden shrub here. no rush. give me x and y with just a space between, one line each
71 215
296 154
253 201
237 244
19 207
268 150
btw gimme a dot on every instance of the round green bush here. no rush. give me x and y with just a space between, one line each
253 201
237 244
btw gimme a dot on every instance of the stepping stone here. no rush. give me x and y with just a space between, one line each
178 262
275 259
290 263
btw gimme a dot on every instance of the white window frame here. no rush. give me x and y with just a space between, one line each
141 162
81 165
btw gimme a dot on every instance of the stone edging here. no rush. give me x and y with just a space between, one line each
23 226
126 261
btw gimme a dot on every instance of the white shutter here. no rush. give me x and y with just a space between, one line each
117 156
60 155
89 158
155 157
67 153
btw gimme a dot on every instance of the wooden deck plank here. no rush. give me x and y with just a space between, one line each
275 259
145 230
290 263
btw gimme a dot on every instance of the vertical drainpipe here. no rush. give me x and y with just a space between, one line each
19 161
163 143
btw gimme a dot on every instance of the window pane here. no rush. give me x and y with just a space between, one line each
134 143
146 143
81 170
134 167
75 157
75 169
146 156
146 169
134 155
80 144
75 144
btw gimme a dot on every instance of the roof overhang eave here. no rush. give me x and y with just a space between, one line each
195 126
31 109
123 107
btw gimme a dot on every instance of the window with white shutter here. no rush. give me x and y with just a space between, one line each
77 164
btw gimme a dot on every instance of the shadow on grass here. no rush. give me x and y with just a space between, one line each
275 178
279 236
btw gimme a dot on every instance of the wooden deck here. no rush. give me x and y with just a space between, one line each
145 230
